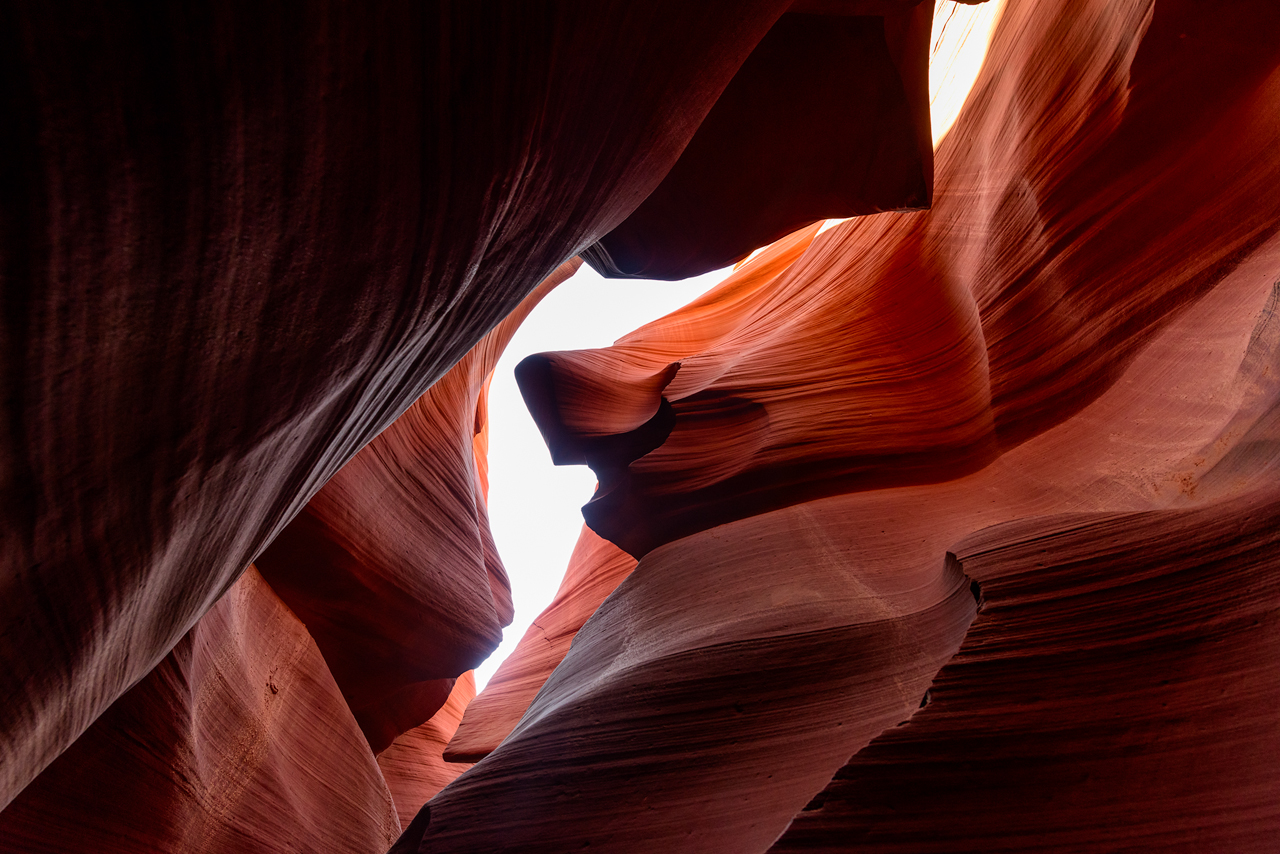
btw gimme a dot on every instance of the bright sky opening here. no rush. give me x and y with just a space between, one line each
534 507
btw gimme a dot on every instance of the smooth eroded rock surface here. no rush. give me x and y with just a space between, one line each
238 741
1082 329
596 567
392 566
1113 163
238 242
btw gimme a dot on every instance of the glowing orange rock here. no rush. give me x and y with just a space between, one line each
1063 377
699 703
237 246
1075 216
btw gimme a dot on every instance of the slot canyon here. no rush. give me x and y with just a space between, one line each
946 520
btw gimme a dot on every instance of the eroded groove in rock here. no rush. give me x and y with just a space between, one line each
391 565
1113 164
414 766
238 741
1138 370
1117 693
672 722
238 242
1128 450
409 499
596 568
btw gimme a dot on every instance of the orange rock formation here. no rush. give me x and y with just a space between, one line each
1074 336
237 243
933 530
596 567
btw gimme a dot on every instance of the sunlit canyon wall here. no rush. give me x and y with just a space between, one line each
947 522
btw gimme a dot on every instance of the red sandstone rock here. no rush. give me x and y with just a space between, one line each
646 706
237 242
108 784
239 741
1076 214
1117 692
1080 338
414 765
392 566
596 567
690 713
1085 324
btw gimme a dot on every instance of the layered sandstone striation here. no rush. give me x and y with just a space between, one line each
238 243
596 567
1046 407
414 766
1076 215
392 566
238 741
1116 693
259 731
933 530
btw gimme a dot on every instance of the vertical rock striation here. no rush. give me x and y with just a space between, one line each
392 566
263 710
237 243
238 741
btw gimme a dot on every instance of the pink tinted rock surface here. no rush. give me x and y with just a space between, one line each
596 567
238 741
414 765
392 566
238 242
681 722
1078 341
112 782
691 713
1117 693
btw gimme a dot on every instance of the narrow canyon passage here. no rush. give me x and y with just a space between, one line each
926 504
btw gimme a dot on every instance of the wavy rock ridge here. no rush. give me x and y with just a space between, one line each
235 741
1078 326
928 530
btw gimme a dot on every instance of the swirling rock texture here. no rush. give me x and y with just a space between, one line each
238 741
237 243
415 766
392 566
954 530
596 567
1051 255
1029 434
1117 693
219 737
